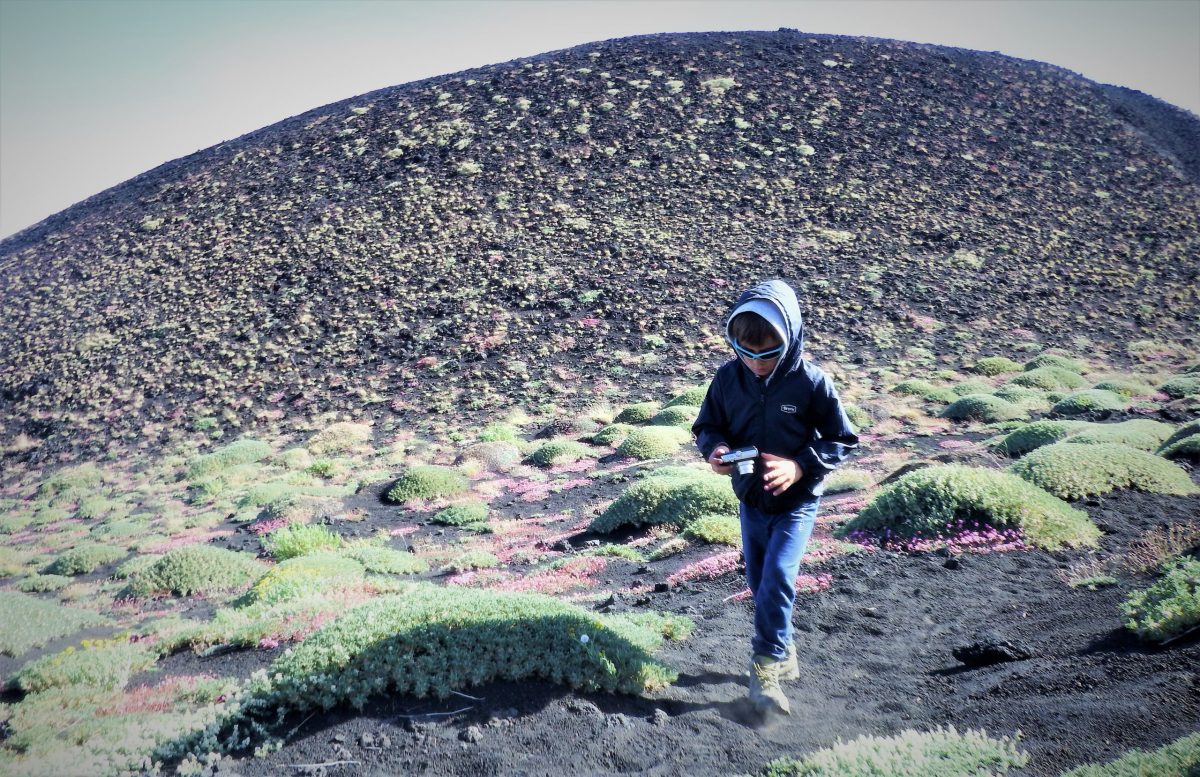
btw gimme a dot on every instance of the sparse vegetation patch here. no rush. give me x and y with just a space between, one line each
1073 470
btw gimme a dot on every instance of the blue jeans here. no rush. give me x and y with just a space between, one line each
773 545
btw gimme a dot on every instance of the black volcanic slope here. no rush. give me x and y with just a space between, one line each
512 234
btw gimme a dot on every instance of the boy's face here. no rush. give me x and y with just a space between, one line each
761 367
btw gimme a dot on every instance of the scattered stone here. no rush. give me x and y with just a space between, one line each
953 563
563 546
340 753
471 734
366 739
662 587
660 717
339 737
384 741
992 649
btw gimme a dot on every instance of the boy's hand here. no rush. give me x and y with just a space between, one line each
779 473
714 460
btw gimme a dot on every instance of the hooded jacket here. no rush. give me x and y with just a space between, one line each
793 412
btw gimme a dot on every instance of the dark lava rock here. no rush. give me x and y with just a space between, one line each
992 649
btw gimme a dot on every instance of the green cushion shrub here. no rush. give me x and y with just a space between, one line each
1181 386
387 561
1075 470
937 753
494 455
612 434
38 584
925 390
676 496
499 432
1125 387
983 407
1053 360
557 452
926 502
974 386
1088 400
682 416
995 365
1049 379
690 397
1187 430
638 413
437 640
1021 395
136 565
107 665
848 479
82 559
244 451
1170 606
1036 434
339 438
1180 758
1141 433
71 483
305 575
427 482
1188 447
653 442
196 569
294 459
31 622
472 559
467 514
859 418
716 529
297 539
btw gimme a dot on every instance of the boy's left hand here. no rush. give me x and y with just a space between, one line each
779 473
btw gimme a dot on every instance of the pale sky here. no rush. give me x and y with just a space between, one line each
94 92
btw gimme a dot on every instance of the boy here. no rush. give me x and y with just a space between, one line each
769 397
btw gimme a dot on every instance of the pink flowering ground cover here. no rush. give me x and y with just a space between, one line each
805 584
957 537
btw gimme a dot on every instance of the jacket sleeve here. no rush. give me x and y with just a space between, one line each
833 438
712 421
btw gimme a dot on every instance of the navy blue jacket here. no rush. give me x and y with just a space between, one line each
793 412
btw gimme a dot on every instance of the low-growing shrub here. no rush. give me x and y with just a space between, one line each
1180 758
136 565
107 665
653 442
929 502
1187 448
638 413
673 495
716 529
71 483
499 433
1087 401
1054 360
298 539
1141 433
670 547
1170 606
1187 430
1181 386
467 514
244 451
983 407
196 569
1022 395
1049 379
434 641
387 561
612 434
40 584
305 575
690 397
1125 387
294 459
1074 470
973 386
472 559
995 365
616 551
937 753
676 415
427 482
848 479
339 438
860 419
494 455
30 622
1036 434
557 452
925 390
82 559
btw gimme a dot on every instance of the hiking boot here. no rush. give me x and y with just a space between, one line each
765 691
791 668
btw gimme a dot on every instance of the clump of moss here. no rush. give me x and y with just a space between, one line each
673 495
244 451
339 438
653 442
467 514
1170 606
82 559
1088 401
716 529
1075 470
995 365
476 637
298 539
1056 361
677 415
387 561
1036 434
1049 379
930 501
427 482
689 397
196 569
1181 386
983 407
558 452
305 575
638 413
1141 433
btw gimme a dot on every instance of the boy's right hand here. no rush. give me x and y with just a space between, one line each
714 460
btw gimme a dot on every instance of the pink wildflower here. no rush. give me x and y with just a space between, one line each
707 568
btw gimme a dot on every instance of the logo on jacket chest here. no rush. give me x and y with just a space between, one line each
787 409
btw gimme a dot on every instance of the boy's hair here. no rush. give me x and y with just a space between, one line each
752 328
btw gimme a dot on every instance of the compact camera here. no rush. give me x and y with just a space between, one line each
743 458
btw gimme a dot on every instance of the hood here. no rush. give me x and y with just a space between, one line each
789 322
